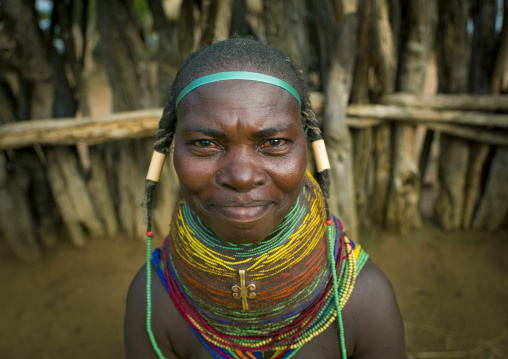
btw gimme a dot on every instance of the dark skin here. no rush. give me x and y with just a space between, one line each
240 154
240 159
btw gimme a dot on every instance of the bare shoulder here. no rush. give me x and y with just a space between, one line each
137 340
373 318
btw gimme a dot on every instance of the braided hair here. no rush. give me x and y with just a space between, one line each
235 54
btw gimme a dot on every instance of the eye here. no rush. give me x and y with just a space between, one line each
204 143
275 142
204 148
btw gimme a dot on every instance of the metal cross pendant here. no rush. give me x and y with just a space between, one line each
243 291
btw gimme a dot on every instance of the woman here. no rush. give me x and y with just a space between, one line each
254 265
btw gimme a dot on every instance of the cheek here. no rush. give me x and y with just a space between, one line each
290 172
192 173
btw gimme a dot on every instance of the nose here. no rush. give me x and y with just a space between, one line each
241 170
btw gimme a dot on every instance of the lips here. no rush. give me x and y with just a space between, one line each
243 212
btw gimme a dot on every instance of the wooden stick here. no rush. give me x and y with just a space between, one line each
468 132
119 126
489 103
422 115
480 135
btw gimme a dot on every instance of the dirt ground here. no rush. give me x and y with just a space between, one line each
452 290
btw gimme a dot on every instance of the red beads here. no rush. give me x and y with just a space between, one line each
149 233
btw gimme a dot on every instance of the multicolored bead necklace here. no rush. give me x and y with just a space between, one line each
272 296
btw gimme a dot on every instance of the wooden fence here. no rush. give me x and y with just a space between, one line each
89 203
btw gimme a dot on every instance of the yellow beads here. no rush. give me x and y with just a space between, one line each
299 244
351 274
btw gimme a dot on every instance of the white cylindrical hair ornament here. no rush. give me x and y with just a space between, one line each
320 155
155 169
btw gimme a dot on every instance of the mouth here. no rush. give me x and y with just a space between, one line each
243 212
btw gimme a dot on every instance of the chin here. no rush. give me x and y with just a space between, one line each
243 227
241 233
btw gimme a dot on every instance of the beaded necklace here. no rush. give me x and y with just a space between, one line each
275 295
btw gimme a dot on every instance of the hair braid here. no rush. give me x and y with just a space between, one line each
163 139
313 133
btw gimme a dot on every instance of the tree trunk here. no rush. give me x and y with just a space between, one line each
286 30
342 8
36 93
478 155
41 201
383 50
101 194
217 21
363 148
125 57
402 209
452 46
484 43
395 21
15 218
360 89
362 139
452 54
72 196
323 24
64 14
449 207
383 60
335 131
168 56
383 170
176 39
500 69
126 61
7 102
29 55
493 209
482 61
239 18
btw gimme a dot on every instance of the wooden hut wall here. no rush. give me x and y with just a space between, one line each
67 176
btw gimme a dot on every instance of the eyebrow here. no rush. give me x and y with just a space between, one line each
266 132
273 130
207 131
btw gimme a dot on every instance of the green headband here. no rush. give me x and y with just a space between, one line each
237 75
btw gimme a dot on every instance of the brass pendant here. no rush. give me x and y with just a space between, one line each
242 291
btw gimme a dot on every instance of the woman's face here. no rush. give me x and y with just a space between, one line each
240 155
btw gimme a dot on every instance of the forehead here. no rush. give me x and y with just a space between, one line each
240 99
